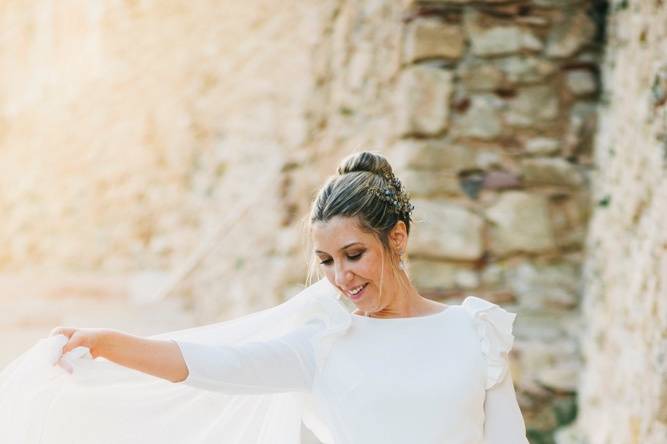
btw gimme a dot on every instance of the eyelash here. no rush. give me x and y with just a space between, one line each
352 258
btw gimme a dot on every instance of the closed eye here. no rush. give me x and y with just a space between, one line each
354 257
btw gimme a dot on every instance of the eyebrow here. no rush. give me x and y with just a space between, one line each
342 248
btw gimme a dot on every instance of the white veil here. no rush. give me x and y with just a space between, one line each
102 402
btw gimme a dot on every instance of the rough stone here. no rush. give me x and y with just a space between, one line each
533 105
479 75
447 231
431 38
570 214
562 377
488 75
582 123
423 100
432 155
504 40
429 183
570 34
540 286
438 275
550 171
581 82
494 39
520 222
569 434
542 146
482 118
525 69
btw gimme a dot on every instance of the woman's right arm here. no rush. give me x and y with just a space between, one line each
281 364
161 358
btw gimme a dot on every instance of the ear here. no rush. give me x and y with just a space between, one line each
398 237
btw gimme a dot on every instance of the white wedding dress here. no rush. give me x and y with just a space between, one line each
440 378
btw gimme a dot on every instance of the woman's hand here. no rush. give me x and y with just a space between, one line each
157 357
79 337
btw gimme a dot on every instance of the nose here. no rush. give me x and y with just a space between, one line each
343 276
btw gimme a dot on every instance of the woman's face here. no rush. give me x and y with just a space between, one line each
352 260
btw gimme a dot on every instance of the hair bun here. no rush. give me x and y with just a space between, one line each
365 161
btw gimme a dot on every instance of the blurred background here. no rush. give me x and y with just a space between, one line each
157 160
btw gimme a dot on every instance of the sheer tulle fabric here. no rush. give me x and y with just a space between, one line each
103 402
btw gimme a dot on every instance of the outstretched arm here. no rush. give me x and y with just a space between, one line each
282 364
161 358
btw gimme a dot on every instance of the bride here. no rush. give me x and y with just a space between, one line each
400 368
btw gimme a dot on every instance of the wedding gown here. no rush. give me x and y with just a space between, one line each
440 378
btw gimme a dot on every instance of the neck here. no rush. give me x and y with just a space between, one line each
404 302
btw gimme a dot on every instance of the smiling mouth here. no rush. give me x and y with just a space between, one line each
357 292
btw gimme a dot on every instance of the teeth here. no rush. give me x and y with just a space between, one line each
356 290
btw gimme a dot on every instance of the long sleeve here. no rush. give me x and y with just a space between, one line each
503 421
283 364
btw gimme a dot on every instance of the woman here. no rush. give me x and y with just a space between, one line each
399 369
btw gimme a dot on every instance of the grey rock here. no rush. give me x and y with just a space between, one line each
488 75
545 286
581 82
570 34
480 75
551 171
426 274
533 105
447 231
581 127
429 183
570 434
431 38
570 215
542 146
482 118
520 222
525 69
492 39
423 100
431 154
562 377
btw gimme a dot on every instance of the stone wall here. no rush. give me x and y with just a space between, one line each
501 173
623 394
135 136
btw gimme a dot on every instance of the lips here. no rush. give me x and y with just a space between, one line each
357 292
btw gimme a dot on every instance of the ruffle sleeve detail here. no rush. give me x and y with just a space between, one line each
494 327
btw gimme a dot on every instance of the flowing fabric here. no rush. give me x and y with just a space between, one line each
102 402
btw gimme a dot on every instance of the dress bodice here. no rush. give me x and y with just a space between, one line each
399 380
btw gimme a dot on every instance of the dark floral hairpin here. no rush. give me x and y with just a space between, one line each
394 195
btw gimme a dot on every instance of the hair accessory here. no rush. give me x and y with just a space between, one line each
394 195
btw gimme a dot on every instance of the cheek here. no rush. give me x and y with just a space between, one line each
368 267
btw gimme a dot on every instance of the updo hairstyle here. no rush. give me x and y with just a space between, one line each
365 187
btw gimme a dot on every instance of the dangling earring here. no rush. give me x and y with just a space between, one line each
401 264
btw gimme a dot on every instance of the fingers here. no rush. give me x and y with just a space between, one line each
65 366
67 331
69 345
73 343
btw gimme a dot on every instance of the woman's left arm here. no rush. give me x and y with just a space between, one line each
503 423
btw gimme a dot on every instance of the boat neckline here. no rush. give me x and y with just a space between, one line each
432 315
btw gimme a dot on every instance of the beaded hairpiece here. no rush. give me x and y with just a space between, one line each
394 195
